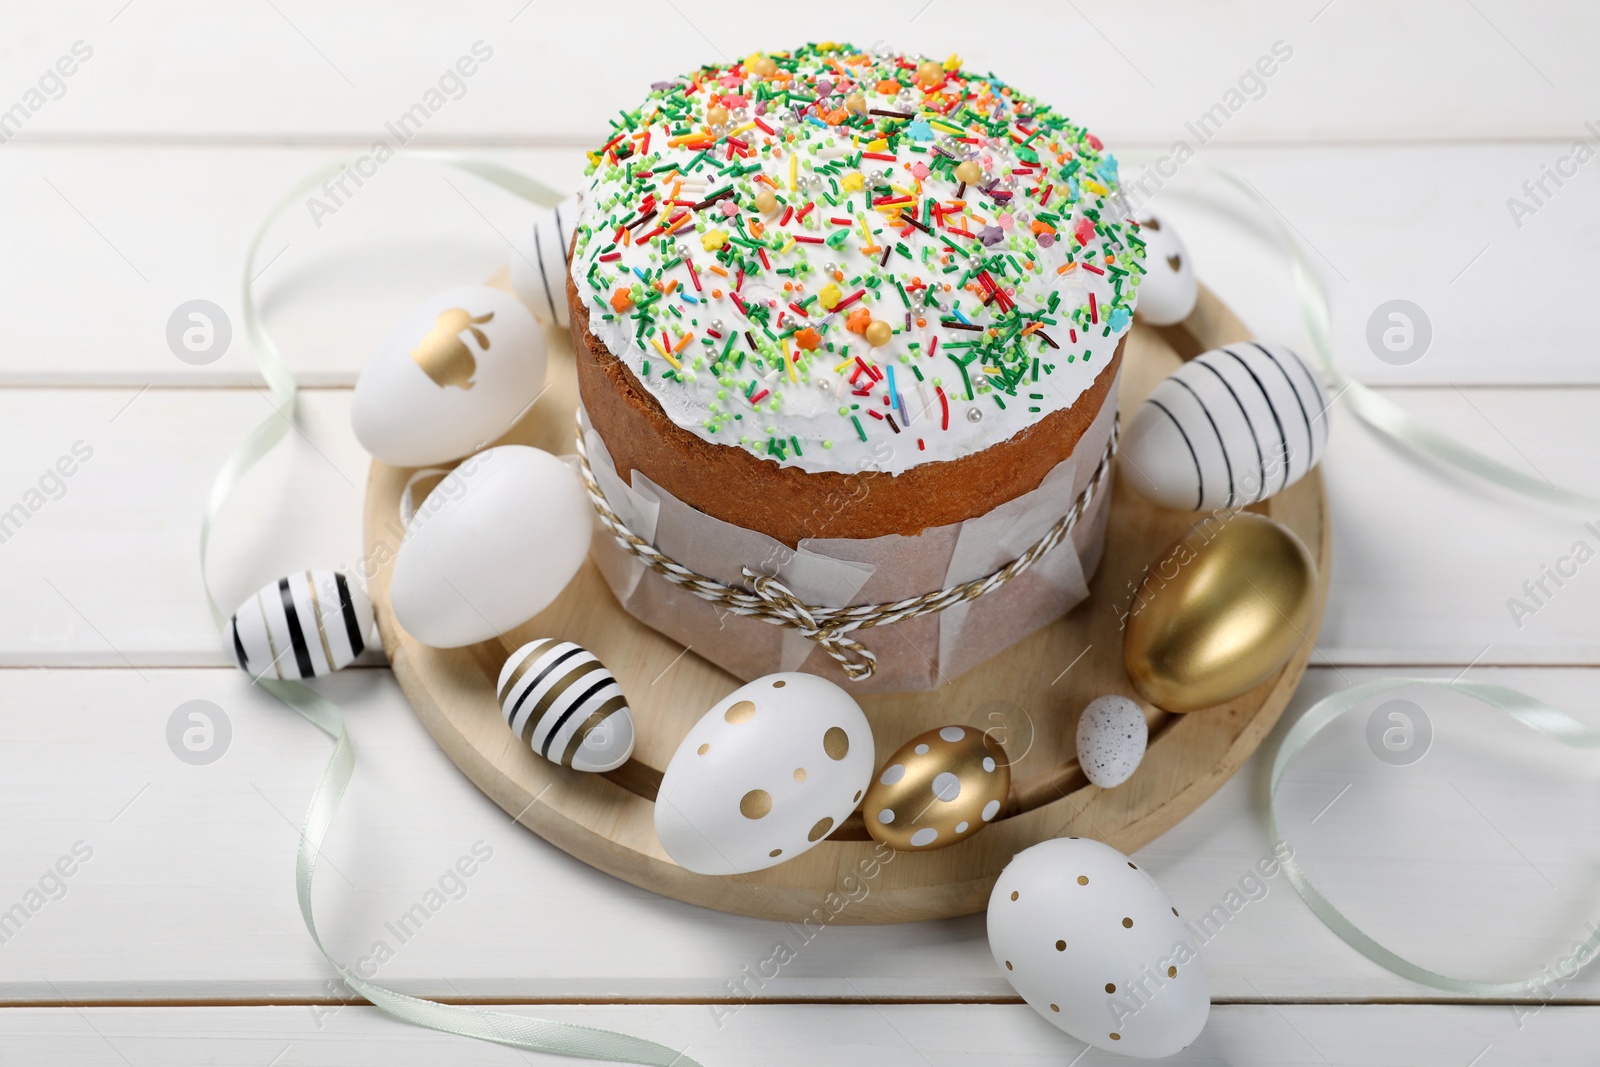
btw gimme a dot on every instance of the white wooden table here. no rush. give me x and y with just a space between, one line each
1391 141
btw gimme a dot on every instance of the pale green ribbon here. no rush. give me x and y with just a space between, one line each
1378 411
534 1035
1400 426
1519 706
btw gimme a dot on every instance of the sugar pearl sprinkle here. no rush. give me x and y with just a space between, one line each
902 237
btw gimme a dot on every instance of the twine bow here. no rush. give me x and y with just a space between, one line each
786 609
771 601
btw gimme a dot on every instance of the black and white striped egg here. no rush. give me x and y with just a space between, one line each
564 704
302 625
1231 427
539 264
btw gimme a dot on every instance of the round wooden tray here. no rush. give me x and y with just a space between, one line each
1029 696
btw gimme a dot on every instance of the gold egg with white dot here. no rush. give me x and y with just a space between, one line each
940 788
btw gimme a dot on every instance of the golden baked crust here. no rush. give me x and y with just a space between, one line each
733 484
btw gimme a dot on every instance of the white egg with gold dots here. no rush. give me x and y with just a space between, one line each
1098 949
302 625
772 769
564 704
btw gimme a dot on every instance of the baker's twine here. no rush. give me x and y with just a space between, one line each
769 600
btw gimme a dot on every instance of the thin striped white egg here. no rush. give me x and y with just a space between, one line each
1231 427
539 264
301 626
559 699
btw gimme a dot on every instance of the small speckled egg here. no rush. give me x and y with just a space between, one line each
1169 290
939 788
560 699
764 775
1096 947
1112 735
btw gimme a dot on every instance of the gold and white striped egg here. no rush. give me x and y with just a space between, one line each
539 264
563 702
302 625
764 776
941 787
1168 291
1230 427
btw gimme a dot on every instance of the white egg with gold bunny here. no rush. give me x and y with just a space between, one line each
453 375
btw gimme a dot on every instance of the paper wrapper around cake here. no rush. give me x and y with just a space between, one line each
839 540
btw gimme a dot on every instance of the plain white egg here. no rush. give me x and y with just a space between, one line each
490 547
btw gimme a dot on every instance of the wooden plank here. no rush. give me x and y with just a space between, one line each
1423 568
1244 1035
1427 70
146 228
188 893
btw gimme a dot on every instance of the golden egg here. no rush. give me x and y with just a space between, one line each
939 788
716 115
930 74
1220 612
968 171
878 333
766 202
761 66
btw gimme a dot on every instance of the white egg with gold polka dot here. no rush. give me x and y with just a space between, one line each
1097 948
764 775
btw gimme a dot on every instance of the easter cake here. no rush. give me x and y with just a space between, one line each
840 294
